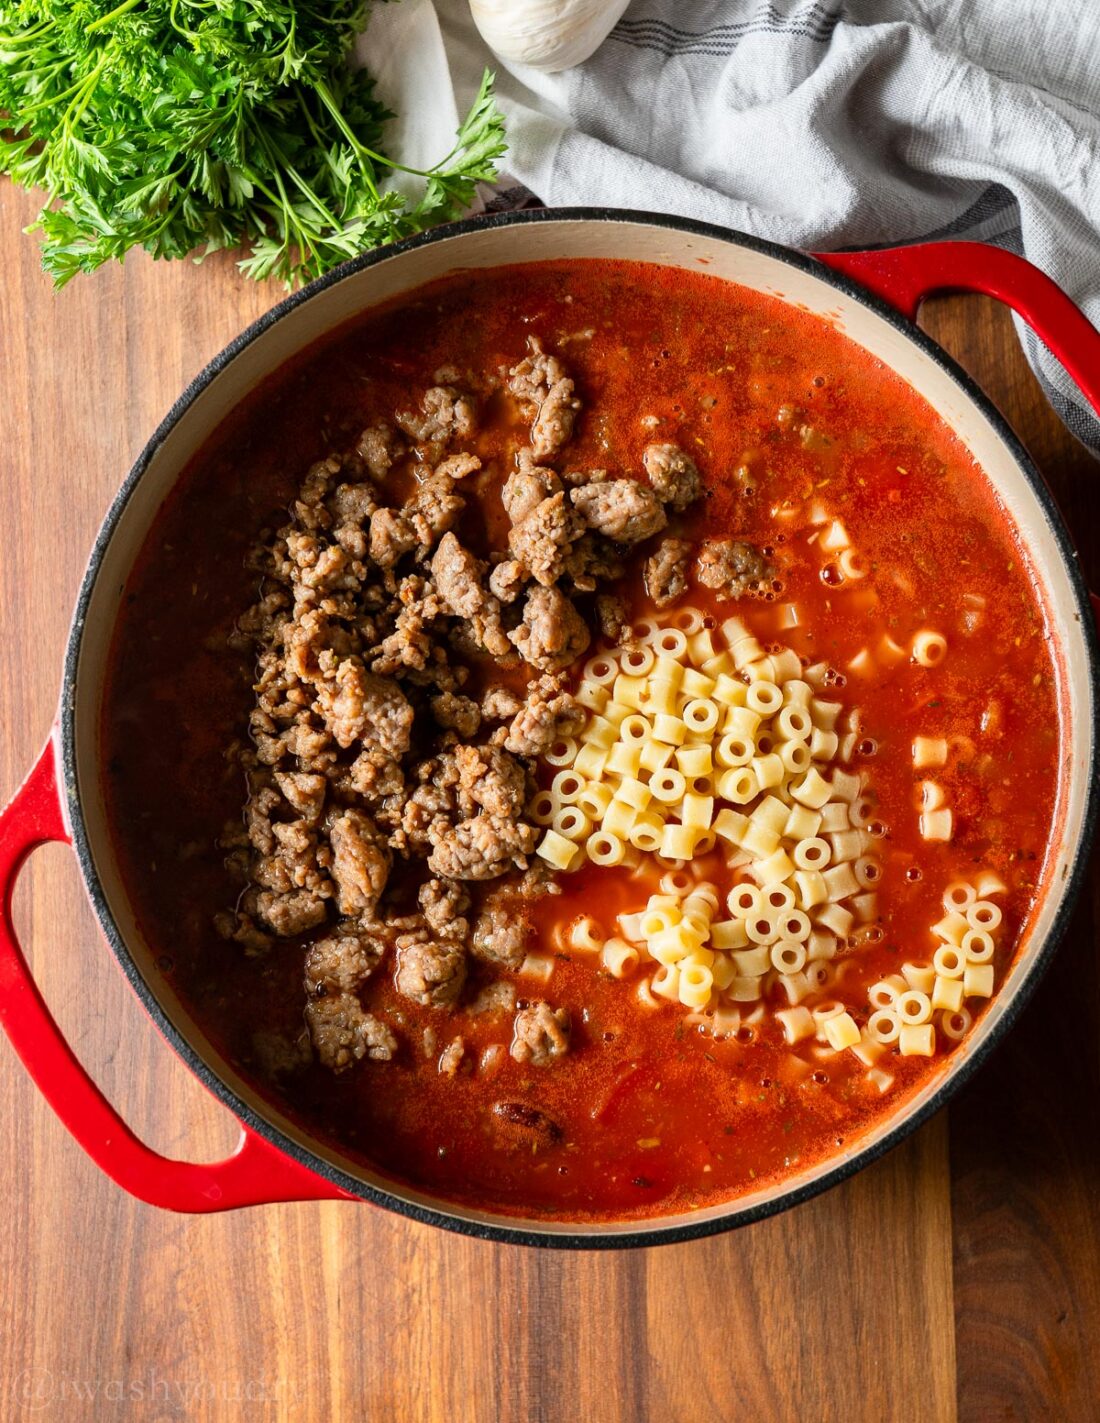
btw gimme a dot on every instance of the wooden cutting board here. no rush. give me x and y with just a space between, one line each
958 1278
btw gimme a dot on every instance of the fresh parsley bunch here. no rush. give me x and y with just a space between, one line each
175 125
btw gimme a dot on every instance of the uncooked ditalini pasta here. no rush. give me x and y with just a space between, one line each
701 742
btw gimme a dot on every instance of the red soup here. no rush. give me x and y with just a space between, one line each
584 741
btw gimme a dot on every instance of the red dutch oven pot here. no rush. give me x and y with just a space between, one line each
874 298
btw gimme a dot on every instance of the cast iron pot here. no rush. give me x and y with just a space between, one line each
873 297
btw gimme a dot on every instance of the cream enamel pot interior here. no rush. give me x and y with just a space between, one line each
63 797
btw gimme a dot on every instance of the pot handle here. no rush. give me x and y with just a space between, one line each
904 276
256 1173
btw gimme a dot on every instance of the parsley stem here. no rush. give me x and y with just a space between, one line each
112 15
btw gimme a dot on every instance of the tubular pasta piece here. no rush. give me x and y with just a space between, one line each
955 1025
948 993
978 980
646 832
728 934
688 620
696 684
618 958
883 1027
665 981
821 946
586 935
764 697
752 963
557 851
813 790
590 762
835 918
984 915
634 728
605 848
841 1032
678 841
695 985
594 799
694 760
796 986
618 818
929 648
937 825
671 643
929 751
728 691
797 1024
730 825
562 753
788 956
773 870
536 966
591 696
571 822
795 756
917 1040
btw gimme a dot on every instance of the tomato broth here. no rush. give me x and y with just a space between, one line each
786 417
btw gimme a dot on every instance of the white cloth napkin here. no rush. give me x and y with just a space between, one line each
822 124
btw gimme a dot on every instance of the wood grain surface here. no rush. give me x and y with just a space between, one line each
957 1278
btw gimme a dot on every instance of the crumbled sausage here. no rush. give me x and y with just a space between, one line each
621 509
673 475
666 571
378 447
541 543
540 380
611 615
360 862
500 704
444 903
732 566
457 574
341 962
450 1059
548 712
552 634
481 848
540 1034
431 974
501 934
305 792
526 488
457 713
342 1032
359 706
444 414
507 580
291 914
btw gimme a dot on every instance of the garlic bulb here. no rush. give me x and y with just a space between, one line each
546 34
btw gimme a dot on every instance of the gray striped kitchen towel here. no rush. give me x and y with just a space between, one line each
823 124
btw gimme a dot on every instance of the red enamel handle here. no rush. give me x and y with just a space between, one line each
255 1174
904 276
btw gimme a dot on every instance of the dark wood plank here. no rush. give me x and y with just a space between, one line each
847 1307
1025 1136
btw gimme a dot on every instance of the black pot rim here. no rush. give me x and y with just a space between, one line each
595 1235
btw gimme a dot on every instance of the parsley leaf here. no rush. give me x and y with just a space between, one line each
184 126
